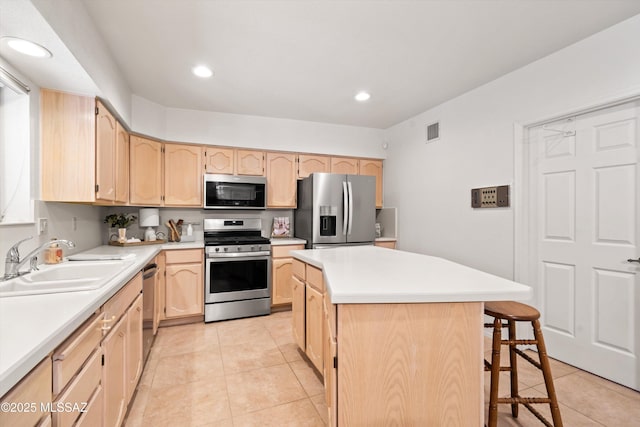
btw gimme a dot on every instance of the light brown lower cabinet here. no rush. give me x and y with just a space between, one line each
330 373
281 286
389 363
121 349
298 312
184 294
314 323
94 412
307 311
114 378
35 388
390 244
90 378
78 392
134 345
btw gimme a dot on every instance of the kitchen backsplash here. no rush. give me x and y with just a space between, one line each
195 217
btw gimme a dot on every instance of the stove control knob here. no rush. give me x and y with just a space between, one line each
226 249
253 248
239 249
217 249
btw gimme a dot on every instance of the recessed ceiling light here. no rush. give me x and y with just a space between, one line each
27 47
202 71
362 96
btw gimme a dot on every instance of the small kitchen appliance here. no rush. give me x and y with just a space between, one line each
237 269
234 192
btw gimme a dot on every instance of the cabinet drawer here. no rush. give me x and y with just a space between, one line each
71 355
79 391
118 304
36 388
298 269
46 421
183 256
93 412
283 251
314 278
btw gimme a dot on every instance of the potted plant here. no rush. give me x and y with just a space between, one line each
121 222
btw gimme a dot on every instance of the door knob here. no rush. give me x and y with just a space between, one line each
634 260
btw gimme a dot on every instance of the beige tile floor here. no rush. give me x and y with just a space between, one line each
248 372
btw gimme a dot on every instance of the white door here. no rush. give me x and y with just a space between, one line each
585 188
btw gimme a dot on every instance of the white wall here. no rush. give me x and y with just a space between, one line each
195 216
70 20
207 127
87 235
430 183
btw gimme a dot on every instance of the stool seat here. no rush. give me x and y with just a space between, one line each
511 310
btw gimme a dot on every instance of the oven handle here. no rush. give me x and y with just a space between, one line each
251 255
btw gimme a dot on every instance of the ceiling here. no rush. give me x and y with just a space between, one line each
307 59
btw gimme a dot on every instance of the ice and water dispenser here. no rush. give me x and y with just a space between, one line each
328 215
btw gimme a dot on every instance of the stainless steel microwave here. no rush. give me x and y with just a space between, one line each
234 192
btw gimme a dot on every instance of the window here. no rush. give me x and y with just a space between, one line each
16 203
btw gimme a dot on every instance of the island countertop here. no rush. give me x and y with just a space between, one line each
370 275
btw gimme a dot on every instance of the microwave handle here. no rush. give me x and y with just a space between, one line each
345 208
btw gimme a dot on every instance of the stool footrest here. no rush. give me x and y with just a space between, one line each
538 415
524 400
518 342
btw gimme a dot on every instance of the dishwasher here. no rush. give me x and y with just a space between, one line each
150 318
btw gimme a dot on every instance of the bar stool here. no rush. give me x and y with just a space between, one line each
513 312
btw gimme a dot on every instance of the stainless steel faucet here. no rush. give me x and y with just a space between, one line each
13 262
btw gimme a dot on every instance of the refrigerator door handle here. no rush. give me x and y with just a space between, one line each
350 207
345 210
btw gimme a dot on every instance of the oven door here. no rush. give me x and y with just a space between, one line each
236 277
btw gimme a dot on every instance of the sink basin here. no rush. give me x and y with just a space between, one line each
70 276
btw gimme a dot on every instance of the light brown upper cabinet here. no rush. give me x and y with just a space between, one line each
182 175
250 162
145 171
106 130
373 168
67 144
218 159
112 158
122 164
281 180
310 163
344 165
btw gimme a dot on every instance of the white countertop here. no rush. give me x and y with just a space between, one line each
33 326
370 274
386 239
287 241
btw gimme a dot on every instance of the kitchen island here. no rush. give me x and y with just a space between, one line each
402 334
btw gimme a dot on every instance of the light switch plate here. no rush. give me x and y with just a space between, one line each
490 197
43 224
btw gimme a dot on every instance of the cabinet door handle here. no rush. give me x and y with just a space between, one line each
634 260
105 323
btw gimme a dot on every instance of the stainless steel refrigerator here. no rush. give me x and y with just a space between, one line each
336 209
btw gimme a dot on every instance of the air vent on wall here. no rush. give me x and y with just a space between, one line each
433 132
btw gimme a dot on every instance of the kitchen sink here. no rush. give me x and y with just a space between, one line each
70 276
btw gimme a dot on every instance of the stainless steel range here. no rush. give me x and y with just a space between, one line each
237 269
